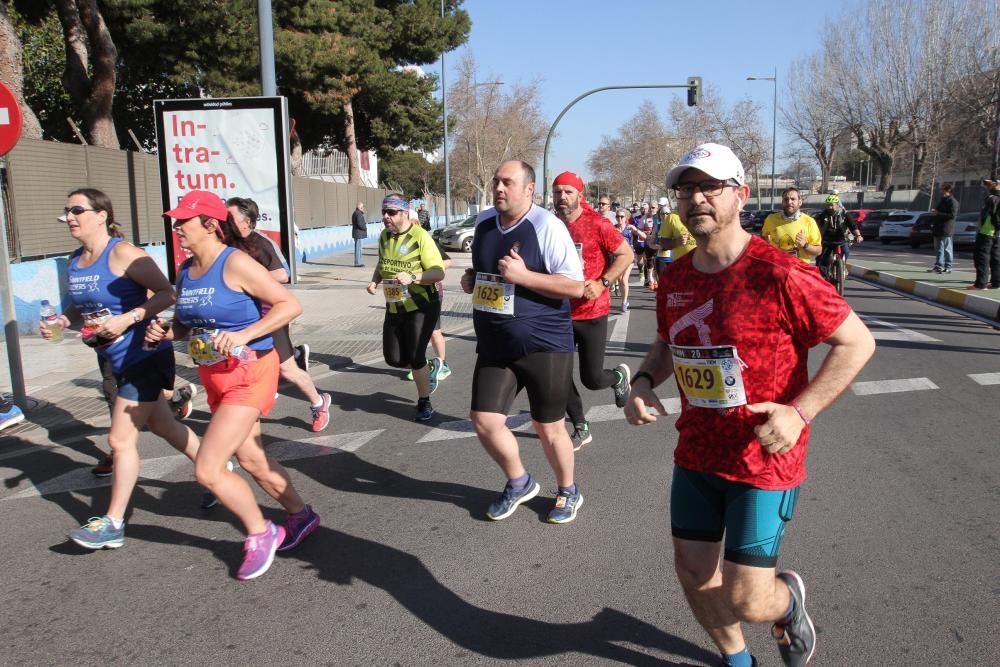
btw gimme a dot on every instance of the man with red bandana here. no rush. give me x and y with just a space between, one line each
736 319
598 243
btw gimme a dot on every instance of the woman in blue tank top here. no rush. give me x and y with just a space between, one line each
221 290
109 280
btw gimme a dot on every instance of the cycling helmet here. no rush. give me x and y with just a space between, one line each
833 199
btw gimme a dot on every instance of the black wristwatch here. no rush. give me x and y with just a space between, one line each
605 281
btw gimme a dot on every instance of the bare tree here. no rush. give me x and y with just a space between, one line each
91 58
495 123
976 91
809 117
12 72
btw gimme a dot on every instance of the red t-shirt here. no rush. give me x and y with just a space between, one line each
772 308
599 239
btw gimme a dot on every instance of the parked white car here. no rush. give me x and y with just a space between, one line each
897 227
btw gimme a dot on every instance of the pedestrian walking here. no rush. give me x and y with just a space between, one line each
359 231
735 321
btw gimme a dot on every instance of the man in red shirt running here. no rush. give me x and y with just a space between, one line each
597 241
735 321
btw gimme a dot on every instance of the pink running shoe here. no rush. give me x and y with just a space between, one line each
298 527
260 550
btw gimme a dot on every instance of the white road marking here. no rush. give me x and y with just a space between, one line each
619 335
891 386
898 332
164 466
985 378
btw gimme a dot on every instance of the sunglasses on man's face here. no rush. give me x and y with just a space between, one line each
76 210
391 212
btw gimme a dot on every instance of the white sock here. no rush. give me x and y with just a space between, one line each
116 523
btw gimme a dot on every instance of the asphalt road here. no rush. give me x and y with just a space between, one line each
896 532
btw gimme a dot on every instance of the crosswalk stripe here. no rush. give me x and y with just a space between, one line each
618 339
892 386
985 378
164 466
897 332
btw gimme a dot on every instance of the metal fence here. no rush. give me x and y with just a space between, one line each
40 173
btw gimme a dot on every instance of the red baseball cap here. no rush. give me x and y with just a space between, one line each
199 202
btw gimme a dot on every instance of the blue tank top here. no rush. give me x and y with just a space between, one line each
207 302
97 293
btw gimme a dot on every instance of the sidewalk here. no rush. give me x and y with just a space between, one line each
945 288
341 323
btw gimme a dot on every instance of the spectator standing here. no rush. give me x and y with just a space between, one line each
359 231
424 216
942 229
987 251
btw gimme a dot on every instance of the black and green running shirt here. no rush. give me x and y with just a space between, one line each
413 251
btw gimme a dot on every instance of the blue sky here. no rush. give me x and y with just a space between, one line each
577 46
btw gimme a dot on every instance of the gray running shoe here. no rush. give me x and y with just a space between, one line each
796 638
581 435
433 366
98 533
510 499
566 506
623 386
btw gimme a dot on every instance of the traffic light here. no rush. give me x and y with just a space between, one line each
694 91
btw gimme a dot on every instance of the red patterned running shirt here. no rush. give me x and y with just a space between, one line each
772 308
595 238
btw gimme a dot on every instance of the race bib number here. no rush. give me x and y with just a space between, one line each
201 347
492 294
710 377
394 291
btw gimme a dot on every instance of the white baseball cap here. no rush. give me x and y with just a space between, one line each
716 160
663 202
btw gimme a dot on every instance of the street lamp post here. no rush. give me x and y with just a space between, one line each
774 123
548 139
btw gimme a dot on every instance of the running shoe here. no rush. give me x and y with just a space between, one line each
302 356
298 527
259 551
433 366
624 307
98 533
321 413
565 507
183 401
622 387
444 371
509 499
796 638
104 468
581 435
11 417
208 499
424 410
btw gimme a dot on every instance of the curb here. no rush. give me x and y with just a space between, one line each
948 296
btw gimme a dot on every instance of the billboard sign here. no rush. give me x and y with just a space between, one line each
234 147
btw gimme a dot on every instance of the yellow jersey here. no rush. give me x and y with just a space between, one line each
781 233
673 228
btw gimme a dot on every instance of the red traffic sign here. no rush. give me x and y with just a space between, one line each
10 120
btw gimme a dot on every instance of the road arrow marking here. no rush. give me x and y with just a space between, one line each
898 332
164 466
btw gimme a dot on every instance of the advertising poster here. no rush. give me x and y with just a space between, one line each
234 147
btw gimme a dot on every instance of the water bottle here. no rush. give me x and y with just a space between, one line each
52 321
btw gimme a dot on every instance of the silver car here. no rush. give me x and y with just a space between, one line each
458 236
897 226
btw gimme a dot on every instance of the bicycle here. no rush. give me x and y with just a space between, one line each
836 265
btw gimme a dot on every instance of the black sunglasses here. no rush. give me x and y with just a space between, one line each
390 212
76 210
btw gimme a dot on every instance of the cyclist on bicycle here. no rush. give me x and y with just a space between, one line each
837 228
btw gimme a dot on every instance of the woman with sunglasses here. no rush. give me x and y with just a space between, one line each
623 223
110 281
221 293
409 268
